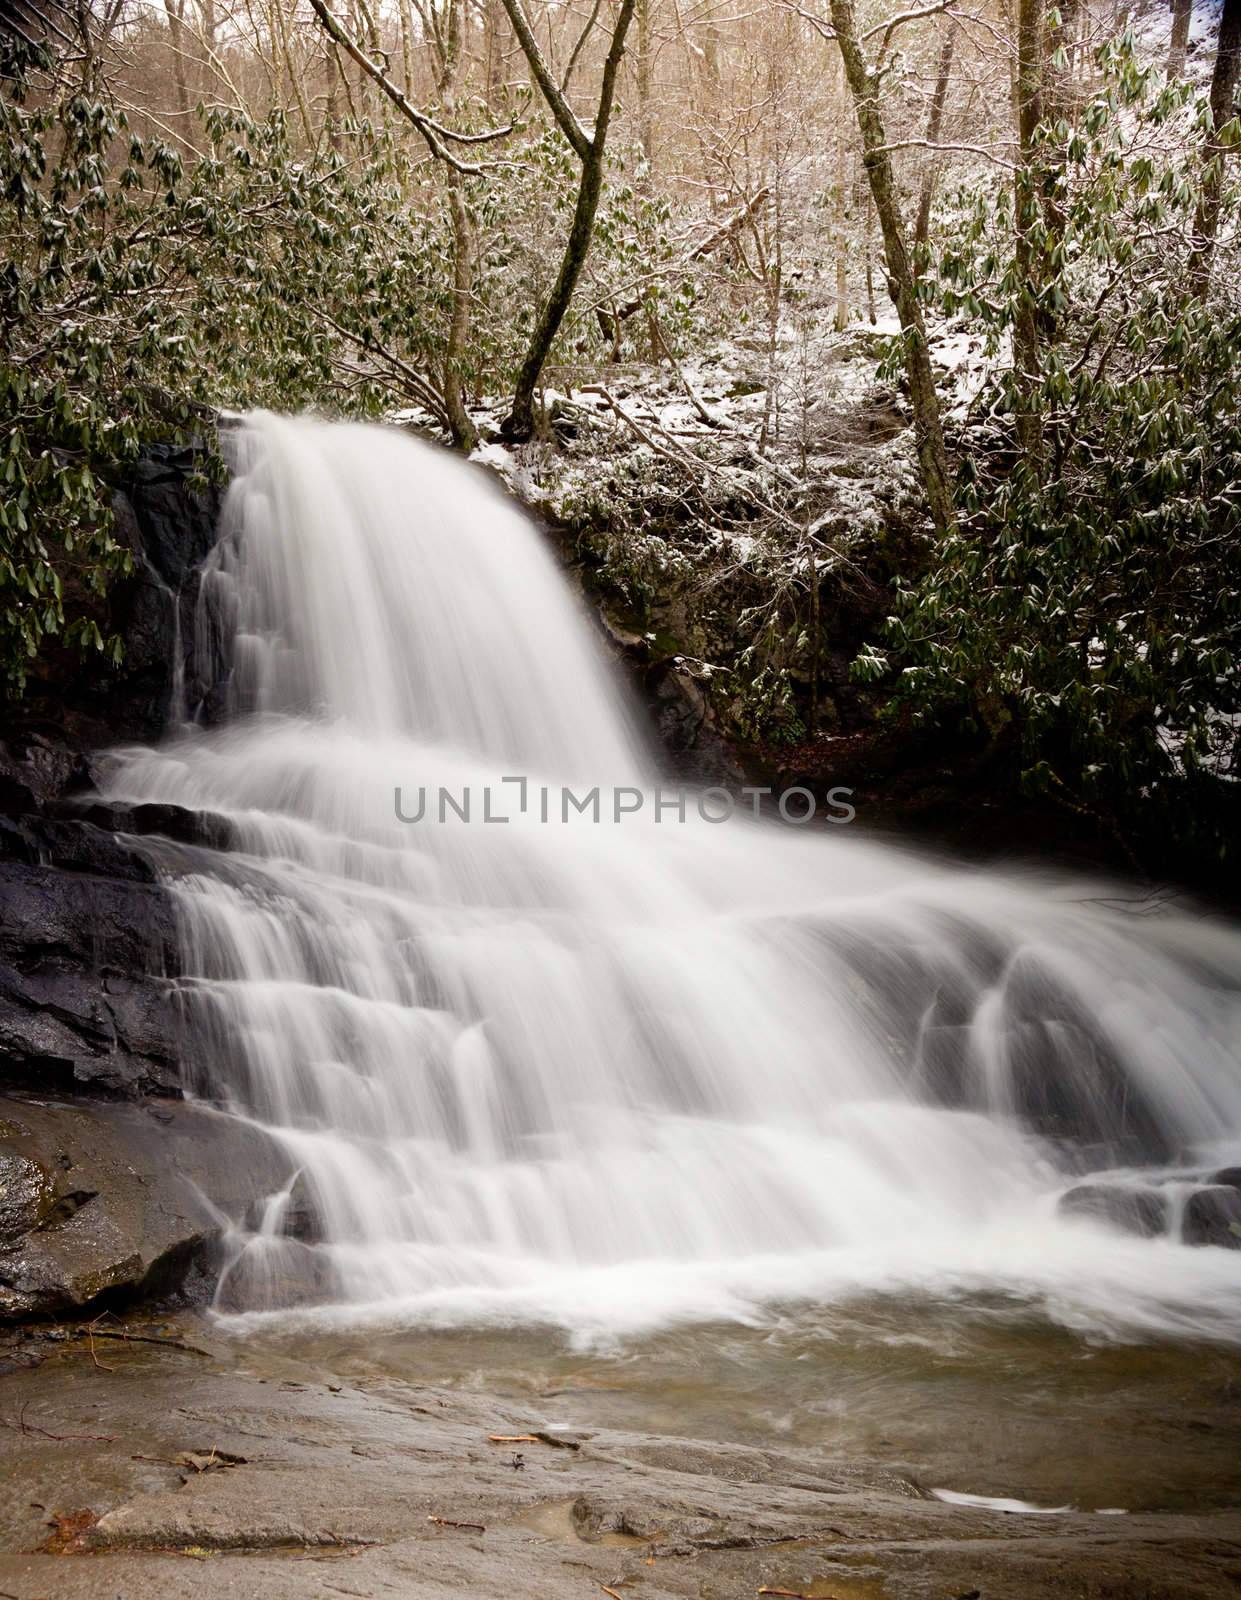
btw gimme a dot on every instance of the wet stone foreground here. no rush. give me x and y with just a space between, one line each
156 1459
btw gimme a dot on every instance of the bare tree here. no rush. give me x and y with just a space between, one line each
863 81
1028 95
438 140
1182 14
934 122
590 149
1218 143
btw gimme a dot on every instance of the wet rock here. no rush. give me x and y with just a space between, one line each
35 769
176 509
75 846
1140 1211
272 1274
165 516
26 1196
686 725
292 1214
1065 1079
1213 1217
164 821
88 959
130 1204
1229 1176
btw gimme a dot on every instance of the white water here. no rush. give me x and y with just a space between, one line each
615 1074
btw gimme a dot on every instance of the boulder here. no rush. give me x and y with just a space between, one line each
110 1201
1139 1211
1213 1216
1229 1176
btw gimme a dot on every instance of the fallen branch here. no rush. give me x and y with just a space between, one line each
447 1522
24 1427
149 1338
90 1339
676 454
733 226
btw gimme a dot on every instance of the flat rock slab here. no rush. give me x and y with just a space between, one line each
180 1470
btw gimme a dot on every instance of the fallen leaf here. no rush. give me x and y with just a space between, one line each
68 1529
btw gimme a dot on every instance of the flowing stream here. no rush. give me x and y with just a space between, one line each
616 1074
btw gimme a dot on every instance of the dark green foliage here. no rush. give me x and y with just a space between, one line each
1088 607
141 287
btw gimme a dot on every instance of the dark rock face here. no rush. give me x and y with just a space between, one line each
88 955
95 1195
88 949
107 1200
169 526
165 517
1140 1211
163 821
1213 1216
685 725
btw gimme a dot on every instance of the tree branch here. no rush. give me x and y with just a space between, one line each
432 132
577 48
559 106
888 28
933 144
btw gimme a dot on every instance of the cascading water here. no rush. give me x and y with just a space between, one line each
612 1073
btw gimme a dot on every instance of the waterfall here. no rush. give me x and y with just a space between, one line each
611 1073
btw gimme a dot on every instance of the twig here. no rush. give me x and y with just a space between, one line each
682 458
24 1427
90 1339
150 1338
931 144
577 48
447 1522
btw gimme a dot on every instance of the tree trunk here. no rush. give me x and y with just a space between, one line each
464 434
1182 12
292 75
331 109
519 424
407 47
646 119
840 245
207 67
1029 105
934 122
928 430
176 38
1216 148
